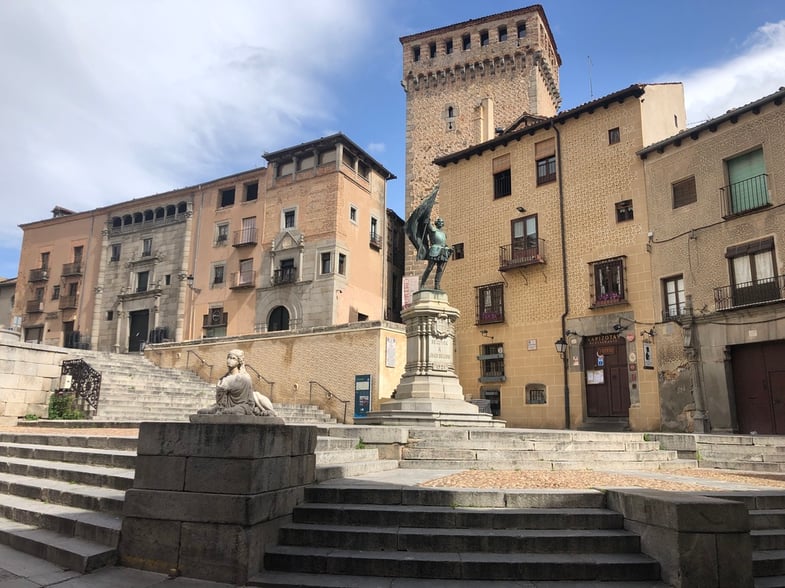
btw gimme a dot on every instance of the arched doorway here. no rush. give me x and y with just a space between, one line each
279 319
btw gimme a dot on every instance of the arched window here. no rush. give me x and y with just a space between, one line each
279 319
117 222
127 219
182 207
170 210
138 217
148 215
159 213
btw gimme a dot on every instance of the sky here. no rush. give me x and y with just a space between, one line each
103 101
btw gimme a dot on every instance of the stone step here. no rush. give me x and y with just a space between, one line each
345 456
742 465
392 538
446 517
531 464
352 469
768 563
101 476
501 436
470 566
585 455
102 457
69 521
106 500
334 443
523 445
86 441
269 579
768 539
767 519
68 552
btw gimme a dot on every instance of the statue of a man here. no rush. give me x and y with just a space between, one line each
234 393
429 239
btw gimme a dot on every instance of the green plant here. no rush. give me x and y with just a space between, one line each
360 444
647 437
62 407
31 417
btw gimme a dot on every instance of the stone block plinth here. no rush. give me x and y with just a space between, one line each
208 496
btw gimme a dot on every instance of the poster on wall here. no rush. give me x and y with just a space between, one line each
362 395
595 376
648 356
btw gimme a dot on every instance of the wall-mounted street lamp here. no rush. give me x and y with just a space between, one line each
561 346
520 209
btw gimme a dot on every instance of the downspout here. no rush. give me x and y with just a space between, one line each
565 360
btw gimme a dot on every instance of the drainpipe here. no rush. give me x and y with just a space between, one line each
565 360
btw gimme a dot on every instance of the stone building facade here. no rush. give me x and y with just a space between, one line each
549 223
716 200
464 81
298 244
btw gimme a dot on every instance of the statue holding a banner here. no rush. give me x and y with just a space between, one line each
429 239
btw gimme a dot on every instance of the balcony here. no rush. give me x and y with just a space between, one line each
34 306
517 255
744 196
245 237
68 302
375 240
243 279
72 269
285 275
40 274
750 293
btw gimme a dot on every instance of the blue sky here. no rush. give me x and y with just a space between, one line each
104 101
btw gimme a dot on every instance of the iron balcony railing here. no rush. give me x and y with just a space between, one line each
375 240
519 254
244 237
72 269
40 274
243 279
750 293
285 275
67 302
33 306
745 195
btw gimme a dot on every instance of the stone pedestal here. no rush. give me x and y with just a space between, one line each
209 496
429 393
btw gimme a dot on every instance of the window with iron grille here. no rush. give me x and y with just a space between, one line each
624 211
535 394
684 192
608 278
492 363
490 303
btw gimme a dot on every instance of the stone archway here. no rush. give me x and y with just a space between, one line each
278 320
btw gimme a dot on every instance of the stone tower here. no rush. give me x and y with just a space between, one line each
465 81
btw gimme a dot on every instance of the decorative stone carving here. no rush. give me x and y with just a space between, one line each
234 393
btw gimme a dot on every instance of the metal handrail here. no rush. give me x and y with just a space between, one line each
201 360
85 382
261 377
330 396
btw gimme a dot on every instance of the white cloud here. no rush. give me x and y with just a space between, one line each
376 148
104 101
758 71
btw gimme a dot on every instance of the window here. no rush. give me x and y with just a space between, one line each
226 197
246 277
289 219
614 136
416 53
248 231
624 211
684 192
142 279
218 275
326 266
286 272
342 264
39 294
457 250
353 214
490 303
251 191
466 42
484 38
215 321
535 394
147 247
278 320
525 241
168 279
432 50
115 255
502 33
45 260
492 363
73 288
78 251
222 234
545 158
109 315
374 228
494 398
608 276
747 183
753 276
673 293
546 170
450 118
502 176
521 30
55 292
448 46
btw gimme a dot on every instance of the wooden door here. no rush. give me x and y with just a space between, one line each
607 382
759 384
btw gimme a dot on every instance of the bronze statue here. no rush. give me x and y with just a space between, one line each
234 393
429 239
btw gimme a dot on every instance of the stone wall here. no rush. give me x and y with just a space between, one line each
28 375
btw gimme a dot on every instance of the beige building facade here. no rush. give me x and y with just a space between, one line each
464 81
716 199
298 244
549 223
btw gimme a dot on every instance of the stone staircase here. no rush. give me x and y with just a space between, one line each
135 389
61 495
511 449
751 453
362 537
